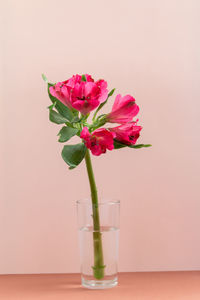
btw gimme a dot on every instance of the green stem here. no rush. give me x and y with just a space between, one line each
98 268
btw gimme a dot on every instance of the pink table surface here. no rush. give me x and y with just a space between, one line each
134 286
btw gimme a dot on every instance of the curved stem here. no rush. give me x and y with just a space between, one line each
98 268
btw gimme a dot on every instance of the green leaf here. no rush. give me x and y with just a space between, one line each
83 77
56 117
111 93
52 98
138 146
118 145
51 106
75 120
64 110
61 108
66 133
73 154
102 104
44 78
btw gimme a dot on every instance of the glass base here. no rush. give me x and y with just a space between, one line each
99 284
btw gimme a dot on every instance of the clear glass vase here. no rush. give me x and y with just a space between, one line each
98 245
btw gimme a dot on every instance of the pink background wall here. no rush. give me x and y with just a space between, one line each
146 48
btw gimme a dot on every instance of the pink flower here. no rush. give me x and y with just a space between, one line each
127 133
61 92
87 95
84 96
123 110
71 82
100 140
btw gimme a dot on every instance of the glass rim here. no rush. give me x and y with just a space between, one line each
87 201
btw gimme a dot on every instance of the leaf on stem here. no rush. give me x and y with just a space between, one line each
73 154
75 120
66 133
138 146
118 145
111 93
44 78
55 117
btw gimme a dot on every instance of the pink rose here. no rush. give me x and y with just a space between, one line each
127 133
100 140
123 110
84 96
